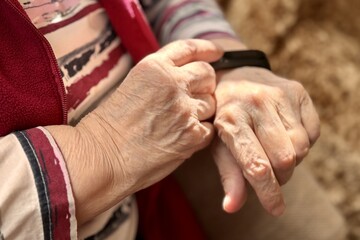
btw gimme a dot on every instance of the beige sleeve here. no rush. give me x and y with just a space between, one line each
36 201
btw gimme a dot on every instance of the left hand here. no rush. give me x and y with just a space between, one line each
266 125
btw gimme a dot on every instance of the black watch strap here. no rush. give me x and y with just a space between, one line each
243 58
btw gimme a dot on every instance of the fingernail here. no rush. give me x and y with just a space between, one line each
278 210
226 202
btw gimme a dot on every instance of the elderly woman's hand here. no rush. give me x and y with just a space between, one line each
148 126
156 117
266 125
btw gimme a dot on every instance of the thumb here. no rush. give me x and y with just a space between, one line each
185 51
232 178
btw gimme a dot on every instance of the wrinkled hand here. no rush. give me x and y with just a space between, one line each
266 125
151 123
155 119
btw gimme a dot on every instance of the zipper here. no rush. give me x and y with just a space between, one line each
54 65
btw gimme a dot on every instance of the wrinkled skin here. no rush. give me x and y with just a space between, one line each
156 119
159 111
151 124
266 126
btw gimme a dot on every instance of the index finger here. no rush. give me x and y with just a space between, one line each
185 51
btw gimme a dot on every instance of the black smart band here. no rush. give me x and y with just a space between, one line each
243 58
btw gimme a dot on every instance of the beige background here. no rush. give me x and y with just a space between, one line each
316 42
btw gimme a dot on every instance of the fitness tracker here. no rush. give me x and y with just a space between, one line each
243 58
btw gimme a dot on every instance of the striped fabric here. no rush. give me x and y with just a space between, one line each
89 54
179 19
52 183
36 199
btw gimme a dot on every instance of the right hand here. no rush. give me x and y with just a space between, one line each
153 122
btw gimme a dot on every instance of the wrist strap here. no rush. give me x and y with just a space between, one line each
244 58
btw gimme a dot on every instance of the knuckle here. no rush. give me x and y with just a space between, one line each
191 76
256 98
285 160
300 141
206 107
210 76
278 92
150 65
257 169
196 136
304 150
204 71
208 69
298 89
184 112
301 154
226 115
297 86
149 61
